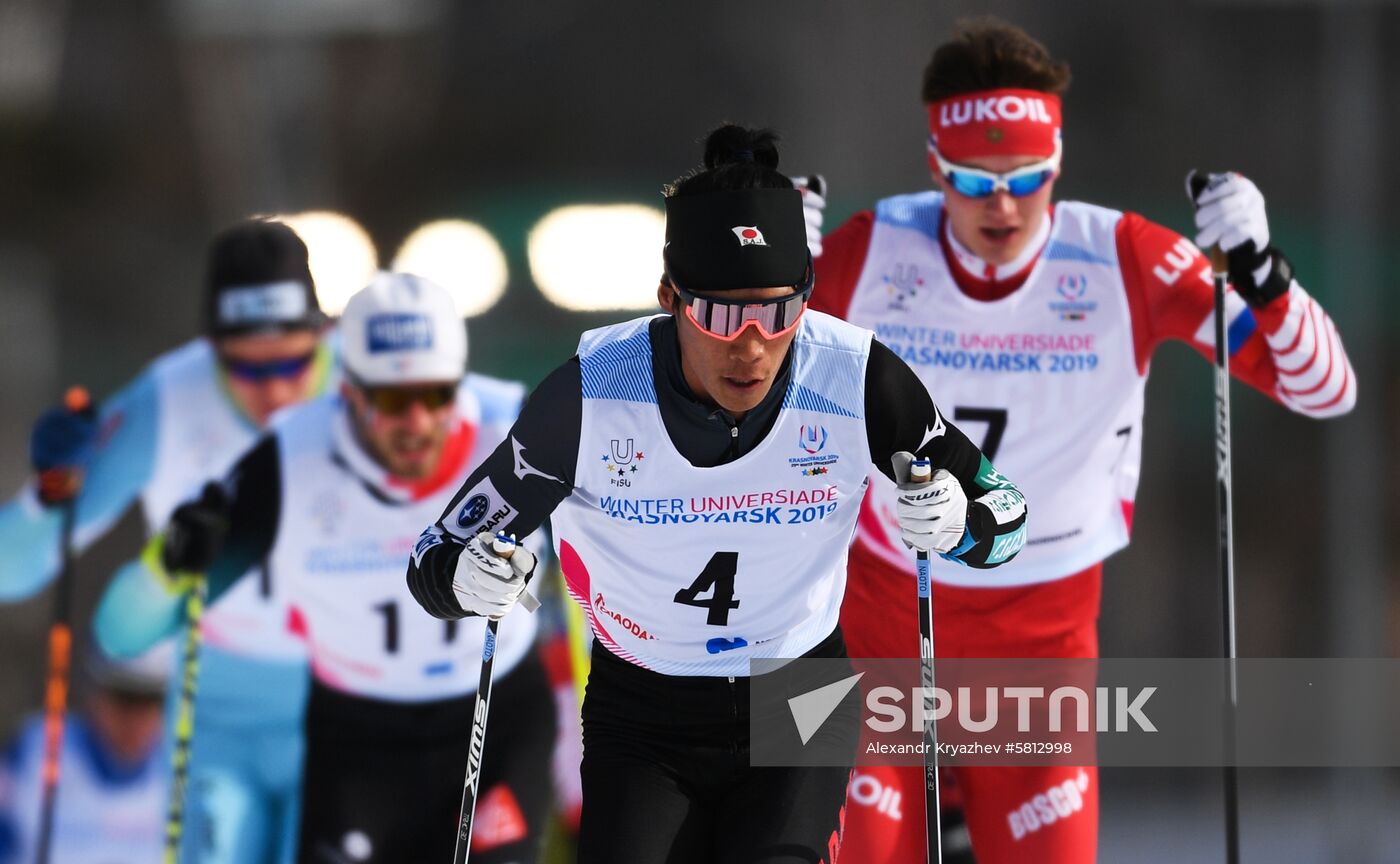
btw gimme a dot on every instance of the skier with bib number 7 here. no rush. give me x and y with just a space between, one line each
1035 323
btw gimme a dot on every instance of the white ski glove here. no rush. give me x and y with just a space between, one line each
813 191
486 583
1230 215
1230 212
932 515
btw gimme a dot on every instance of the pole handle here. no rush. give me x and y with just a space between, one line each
1196 183
503 545
920 471
1219 264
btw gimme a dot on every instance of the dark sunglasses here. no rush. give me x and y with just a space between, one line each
394 401
129 701
267 370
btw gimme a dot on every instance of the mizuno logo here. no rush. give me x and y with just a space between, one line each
524 469
932 432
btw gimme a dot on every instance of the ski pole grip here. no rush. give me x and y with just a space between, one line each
920 471
504 545
1196 183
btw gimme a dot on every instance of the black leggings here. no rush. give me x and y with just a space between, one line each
667 779
383 780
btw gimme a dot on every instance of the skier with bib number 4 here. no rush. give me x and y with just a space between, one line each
703 471
1035 322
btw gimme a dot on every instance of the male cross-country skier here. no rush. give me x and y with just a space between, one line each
703 469
1037 322
115 771
183 421
333 499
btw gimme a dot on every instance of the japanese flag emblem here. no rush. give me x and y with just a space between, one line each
748 235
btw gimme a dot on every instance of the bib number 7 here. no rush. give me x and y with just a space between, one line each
718 578
995 418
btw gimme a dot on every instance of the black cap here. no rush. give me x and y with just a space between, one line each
259 281
732 239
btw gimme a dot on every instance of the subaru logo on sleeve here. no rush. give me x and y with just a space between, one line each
473 511
399 331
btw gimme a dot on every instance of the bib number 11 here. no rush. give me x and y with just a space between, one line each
717 578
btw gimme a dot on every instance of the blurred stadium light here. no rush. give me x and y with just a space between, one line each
342 255
592 257
460 256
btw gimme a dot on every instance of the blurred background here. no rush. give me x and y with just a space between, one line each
130 132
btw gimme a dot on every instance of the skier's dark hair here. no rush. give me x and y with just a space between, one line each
987 54
735 158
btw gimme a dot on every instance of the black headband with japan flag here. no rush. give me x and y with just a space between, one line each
732 239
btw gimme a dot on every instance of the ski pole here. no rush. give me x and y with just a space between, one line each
77 401
921 471
504 546
184 718
1196 183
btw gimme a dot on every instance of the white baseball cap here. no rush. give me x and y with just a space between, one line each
143 675
403 328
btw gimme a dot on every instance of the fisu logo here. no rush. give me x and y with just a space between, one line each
906 279
903 285
622 455
993 108
623 461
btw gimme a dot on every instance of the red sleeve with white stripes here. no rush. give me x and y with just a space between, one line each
838 267
1289 350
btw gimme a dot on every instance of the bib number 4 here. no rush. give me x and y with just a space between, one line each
718 579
